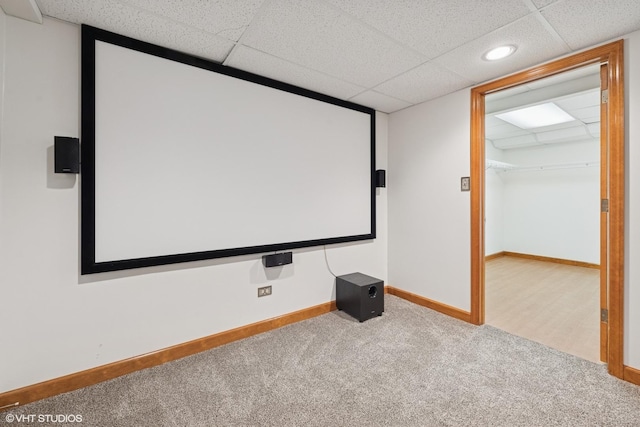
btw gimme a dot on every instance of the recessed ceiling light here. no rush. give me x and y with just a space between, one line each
537 116
499 52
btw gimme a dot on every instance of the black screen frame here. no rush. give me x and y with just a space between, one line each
88 194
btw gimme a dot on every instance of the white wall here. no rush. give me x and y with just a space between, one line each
493 204
429 241
632 201
58 322
429 216
554 213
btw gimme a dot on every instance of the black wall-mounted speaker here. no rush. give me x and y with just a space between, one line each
381 178
276 260
66 152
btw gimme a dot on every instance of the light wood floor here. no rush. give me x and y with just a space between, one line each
554 304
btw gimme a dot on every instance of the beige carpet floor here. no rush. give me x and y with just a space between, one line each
410 367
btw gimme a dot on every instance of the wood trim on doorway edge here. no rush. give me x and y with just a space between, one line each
77 380
611 53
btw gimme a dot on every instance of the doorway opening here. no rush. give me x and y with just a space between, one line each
609 58
542 220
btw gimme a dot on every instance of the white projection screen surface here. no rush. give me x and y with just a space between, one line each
184 160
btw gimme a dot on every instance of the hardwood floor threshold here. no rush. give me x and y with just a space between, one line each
434 305
77 380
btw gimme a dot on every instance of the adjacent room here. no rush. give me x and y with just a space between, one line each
543 211
284 212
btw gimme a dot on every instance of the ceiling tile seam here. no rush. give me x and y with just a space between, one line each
364 88
380 93
256 16
552 31
529 3
175 21
429 62
378 31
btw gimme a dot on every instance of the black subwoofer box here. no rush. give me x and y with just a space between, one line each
360 296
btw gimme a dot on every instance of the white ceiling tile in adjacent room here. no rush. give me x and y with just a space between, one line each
515 142
587 114
318 36
563 135
132 22
535 45
558 126
588 75
424 82
491 121
504 130
505 93
257 62
580 100
227 19
594 129
433 27
379 101
597 20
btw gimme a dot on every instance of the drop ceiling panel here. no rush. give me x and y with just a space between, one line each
260 63
224 18
581 100
588 75
535 45
427 81
132 22
582 23
492 121
563 135
318 36
506 130
433 27
571 124
389 53
380 102
515 142
587 114
506 93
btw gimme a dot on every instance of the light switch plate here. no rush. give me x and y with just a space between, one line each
465 183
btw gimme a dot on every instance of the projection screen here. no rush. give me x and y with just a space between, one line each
184 159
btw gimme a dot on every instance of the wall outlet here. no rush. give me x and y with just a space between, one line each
264 291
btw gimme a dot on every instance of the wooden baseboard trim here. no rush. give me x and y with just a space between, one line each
494 256
550 259
434 305
631 375
113 370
